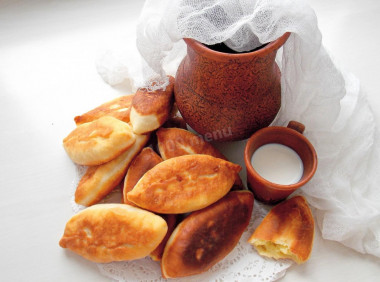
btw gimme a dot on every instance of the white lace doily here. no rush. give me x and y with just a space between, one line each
243 264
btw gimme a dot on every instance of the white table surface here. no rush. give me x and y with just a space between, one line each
48 75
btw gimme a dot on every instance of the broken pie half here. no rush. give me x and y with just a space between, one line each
286 232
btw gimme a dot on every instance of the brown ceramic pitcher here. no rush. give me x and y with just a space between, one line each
226 96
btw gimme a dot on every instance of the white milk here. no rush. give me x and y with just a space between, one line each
278 164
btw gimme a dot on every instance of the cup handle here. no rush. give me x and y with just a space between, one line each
297 126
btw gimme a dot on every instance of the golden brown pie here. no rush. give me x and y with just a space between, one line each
172 221
99 141
151 109
119 108
100 180
184 184
286 232
174 142
113 232
206 236
143 162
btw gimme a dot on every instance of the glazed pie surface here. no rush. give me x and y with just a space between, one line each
119 108
113 232
150 109
143 162
99 180
174 142
206 236
184 184
99 141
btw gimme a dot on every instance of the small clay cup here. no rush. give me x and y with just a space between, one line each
291 136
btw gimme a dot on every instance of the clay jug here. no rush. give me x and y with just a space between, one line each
225 96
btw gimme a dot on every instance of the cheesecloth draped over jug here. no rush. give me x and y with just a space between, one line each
344 191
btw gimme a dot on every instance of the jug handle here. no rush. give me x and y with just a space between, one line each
297 126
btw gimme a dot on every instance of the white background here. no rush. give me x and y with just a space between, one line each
48 75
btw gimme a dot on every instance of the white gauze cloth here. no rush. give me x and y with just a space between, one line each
345 189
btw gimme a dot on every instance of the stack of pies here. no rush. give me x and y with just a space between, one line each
183 202
177 203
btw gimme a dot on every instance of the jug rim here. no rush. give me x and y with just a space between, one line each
206 51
